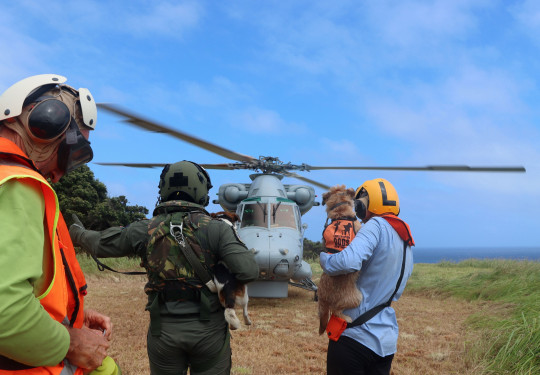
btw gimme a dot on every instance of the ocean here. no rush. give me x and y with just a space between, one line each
436 255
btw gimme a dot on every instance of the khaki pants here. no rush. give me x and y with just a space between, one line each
187 342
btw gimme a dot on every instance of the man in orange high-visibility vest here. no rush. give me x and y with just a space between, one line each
44 329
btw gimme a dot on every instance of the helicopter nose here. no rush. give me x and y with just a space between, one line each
282 268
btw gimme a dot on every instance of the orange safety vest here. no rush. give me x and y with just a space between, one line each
63 298
339 234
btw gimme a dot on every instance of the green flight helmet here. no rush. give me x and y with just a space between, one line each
185 181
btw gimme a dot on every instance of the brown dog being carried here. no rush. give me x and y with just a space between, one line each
337 293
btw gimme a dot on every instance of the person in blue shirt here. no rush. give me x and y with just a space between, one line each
382 252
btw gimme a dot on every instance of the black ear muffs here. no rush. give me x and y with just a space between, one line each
360 209
49 118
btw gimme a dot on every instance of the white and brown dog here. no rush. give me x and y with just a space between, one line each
231 292
337 293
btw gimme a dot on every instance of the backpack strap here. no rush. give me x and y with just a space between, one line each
200 271
102 267
198 268
375 310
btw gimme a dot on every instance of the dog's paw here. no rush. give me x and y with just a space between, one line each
232 319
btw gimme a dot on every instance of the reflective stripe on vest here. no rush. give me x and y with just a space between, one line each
57 298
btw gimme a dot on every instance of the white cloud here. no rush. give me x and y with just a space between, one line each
346 149
163 18
22 56
412 23
264 121
143 18
527 14
220 92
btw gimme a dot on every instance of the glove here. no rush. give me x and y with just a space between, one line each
76 230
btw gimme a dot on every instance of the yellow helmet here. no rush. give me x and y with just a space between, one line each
383 197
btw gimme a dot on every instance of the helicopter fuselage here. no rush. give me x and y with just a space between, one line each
271 227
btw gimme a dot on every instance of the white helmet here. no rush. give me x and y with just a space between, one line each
12 100
41 109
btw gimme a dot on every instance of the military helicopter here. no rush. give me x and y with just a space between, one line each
270 212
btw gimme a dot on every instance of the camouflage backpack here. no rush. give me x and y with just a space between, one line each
165 261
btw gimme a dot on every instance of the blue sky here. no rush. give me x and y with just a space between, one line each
375 83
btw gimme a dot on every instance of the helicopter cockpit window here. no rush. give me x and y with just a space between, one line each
254 215
282 215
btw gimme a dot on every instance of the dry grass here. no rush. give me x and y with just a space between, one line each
283 338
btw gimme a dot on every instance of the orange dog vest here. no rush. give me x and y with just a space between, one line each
338 234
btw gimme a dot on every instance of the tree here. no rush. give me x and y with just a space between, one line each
80 193
312 249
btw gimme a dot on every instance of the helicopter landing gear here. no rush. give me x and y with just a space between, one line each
307 284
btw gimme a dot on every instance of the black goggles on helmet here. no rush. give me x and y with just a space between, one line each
74 150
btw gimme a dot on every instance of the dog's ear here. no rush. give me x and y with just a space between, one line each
231 216
351 192
325 197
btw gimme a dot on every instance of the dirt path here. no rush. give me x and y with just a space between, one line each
284 338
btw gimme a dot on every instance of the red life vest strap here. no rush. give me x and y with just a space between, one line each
401 227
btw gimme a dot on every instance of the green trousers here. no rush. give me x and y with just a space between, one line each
186 342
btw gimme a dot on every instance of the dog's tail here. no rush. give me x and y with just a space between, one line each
232 319
324 316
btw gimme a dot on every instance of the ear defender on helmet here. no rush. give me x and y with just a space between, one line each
47 118
360 209
203 175
361 201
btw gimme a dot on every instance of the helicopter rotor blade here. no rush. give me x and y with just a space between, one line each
155 127
134 165
440 168
308 180
223 166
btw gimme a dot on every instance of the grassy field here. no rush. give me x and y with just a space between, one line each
472 317
509 333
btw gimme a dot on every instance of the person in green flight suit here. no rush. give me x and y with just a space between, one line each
187 324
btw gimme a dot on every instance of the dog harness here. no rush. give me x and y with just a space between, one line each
338 234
